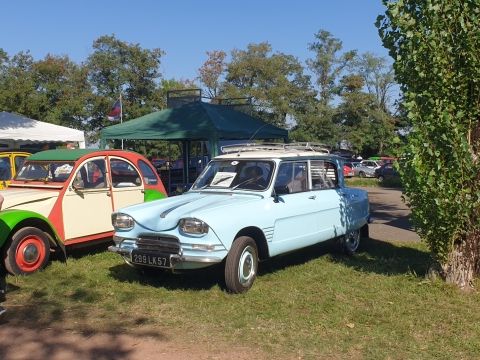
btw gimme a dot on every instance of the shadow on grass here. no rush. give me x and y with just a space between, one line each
200 279
17 341
91 248
54 327
386 258
374 256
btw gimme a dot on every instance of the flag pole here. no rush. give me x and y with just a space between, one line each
121 113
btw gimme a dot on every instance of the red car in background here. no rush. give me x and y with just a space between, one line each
347 170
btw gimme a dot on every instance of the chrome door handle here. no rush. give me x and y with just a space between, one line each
313 197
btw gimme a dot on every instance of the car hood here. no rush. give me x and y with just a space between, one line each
17 197
164 214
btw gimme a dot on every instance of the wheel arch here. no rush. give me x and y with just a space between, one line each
13 220
259 237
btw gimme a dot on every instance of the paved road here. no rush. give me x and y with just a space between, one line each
390 216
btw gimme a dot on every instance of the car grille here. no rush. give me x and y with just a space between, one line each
161 244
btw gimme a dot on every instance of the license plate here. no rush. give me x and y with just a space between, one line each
150 259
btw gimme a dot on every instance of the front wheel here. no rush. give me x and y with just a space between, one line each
241 265
27 251
361 174
351 242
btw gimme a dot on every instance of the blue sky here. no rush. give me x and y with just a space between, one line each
186 29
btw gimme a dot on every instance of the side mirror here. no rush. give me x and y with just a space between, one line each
77 185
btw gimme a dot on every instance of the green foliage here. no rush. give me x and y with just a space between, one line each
328 64
437 62
276 82
117 67
211 72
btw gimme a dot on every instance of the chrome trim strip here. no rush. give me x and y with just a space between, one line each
166 212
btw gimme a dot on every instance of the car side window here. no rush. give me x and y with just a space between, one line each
90 175
292 177
5 171
19 160
147 173
323 174
124 174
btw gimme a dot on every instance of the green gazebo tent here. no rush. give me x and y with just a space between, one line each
195 121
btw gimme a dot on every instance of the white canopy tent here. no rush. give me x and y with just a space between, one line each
18 130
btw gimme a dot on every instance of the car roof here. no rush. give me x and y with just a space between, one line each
72 154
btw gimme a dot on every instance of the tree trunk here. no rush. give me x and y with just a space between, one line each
463 262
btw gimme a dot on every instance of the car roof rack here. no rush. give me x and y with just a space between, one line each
298 146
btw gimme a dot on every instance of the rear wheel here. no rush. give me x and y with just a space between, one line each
361 174
351 242
27 251
241 265
381 178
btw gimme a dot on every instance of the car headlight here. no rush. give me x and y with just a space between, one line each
193 226
122 221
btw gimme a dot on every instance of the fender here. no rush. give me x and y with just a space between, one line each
151 194
9 219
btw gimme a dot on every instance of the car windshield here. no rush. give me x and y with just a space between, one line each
47 171
236 174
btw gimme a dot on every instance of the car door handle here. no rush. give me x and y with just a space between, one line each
313 197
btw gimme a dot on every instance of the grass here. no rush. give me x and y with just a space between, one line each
314 303
372 182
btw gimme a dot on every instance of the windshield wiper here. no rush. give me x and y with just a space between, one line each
245 182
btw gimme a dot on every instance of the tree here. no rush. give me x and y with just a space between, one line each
434 44
118 67
276 82
378 78
328 64
211 71
17 89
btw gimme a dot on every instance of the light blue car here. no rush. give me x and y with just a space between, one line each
252 203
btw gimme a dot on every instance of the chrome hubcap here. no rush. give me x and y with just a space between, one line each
353 240
30 254
246 269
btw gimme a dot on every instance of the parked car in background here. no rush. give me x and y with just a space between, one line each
10 162
387 172
348 170
366 168
65 197
250 204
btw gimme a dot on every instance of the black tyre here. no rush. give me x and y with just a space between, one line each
27 251
351 242
361 174
381 178
241 265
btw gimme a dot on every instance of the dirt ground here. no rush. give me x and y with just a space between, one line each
389 223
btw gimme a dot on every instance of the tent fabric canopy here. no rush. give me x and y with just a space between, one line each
194 121
16 129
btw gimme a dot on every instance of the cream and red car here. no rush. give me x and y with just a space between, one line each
64 197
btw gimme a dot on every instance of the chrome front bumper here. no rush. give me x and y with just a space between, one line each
175 259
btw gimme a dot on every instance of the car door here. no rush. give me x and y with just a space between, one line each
87 203
329 199
127 185
294 212
18 161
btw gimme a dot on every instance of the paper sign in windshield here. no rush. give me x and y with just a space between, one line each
223 179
